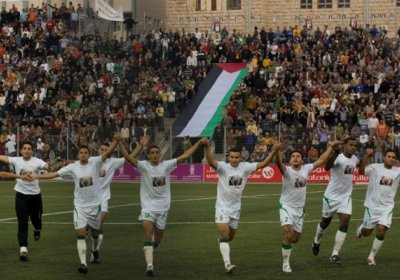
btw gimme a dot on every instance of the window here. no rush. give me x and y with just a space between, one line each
234 5
324 4
306 4
343 4
198 5
213 5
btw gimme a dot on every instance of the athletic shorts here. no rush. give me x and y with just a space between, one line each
331 207
158 218
373 217
231 218
104 206
293 216
84 216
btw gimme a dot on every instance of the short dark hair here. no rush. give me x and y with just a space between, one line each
234 150
390 150
349 139
296 151
27 143
105 144
84 147
153 147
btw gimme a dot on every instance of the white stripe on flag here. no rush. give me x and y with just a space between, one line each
209 105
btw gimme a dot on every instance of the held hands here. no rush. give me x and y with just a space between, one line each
276 146
336 146
145 140
369 152
204 142
117 137
28 177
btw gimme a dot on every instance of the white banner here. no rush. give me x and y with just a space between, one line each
105 11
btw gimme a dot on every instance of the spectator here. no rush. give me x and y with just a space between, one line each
10 148
186 145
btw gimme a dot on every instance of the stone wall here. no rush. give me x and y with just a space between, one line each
272 13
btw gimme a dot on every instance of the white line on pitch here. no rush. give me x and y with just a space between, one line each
190 223
173 201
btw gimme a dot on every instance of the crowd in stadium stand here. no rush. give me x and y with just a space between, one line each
305 87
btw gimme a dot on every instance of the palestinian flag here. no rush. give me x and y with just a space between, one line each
204 112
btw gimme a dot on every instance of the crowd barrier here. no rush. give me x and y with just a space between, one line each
204 173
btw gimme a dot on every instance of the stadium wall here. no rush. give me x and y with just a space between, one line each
204 173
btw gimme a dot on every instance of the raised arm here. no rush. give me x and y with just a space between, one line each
281 167
324 157
142 143
131 159
364 162
275 149
331 160
209 155
110 149
188 153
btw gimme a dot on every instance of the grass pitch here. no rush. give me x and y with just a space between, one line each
189 249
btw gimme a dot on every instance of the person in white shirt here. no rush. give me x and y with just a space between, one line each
379 201
28 199
363 139
373 123
155 193
293 198
232 178
106 173
337 196
191 60
10 148
87 198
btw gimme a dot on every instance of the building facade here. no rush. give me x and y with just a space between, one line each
244 15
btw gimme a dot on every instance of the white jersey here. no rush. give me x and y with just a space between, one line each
86 178
155 185
382 186
294 186
340 185
231 182
106 173
22 167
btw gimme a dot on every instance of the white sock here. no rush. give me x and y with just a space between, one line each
318 234
148 254
81 244
339 240
376 245
95 244
23 249
99 241
286 255
225 252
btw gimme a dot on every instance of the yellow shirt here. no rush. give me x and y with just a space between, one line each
266 62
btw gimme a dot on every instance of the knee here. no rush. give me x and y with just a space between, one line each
225 235
343 227
367 232
295 238
380 233
325 223
288 236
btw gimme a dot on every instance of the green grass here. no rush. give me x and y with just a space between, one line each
189 249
